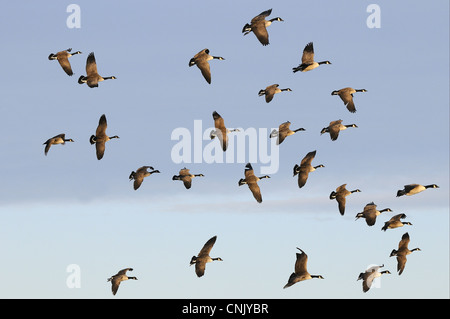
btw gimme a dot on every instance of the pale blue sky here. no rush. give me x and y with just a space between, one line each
69 208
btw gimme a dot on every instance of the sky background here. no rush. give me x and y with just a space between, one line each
69 208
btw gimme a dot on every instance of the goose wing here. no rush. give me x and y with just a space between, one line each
403 244
401 263
308 54
115 283
301 263
221 130
91 65
102 125
206 249
203 65
63 59
100 149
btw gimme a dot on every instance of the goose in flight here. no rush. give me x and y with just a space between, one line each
139 175
271 90
252 181
92 77
305 168
258 25
334 128
369 275
308 62
100 137
300 270
402 252
221 132
283 132
58 139
346 95
63 59
203 257
201 60
186 177
118 278
413 189
340 195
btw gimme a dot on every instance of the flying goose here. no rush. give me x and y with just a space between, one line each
63 59
92 77
58 139
118 278
369 275
370 213
258 26
305 168
413 189
201 60
252 181
334 128
100 137
140 174
402 252
308 62
283 132
395 222
346 95
300 270
203 257
186 177
271 90
340 195
221 131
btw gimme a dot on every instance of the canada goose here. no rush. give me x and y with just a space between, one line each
395 222
92 77
305 168
271 90
370 213
252 181
300 270
201 60
140 174
340 195
413 189
58 139
346 95
283 132
186 177
100 137
258 26
221 131
118 278
334 128
369 275
308 62
402 252
203 257
63 59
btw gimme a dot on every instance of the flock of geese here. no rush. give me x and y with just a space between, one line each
257 26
